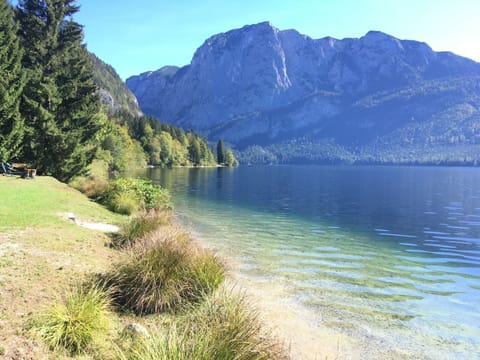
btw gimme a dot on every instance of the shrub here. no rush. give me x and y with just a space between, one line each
164 274
149 196
225 326
78 322
124 203
140 226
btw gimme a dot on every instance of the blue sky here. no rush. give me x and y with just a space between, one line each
137 36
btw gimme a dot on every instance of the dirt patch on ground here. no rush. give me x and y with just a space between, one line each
99 226
36 267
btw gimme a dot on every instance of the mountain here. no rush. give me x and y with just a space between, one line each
113 91
285 97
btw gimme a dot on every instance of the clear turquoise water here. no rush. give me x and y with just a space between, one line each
387 254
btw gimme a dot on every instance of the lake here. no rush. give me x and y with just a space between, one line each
390 255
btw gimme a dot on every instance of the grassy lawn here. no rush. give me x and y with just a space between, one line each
42 253
42 202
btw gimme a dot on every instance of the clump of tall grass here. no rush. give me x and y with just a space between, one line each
91 186
95 183
78 323
165 344
224 326
163 274
124 203
227 325
140 226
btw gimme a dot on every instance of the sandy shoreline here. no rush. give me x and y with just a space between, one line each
288 322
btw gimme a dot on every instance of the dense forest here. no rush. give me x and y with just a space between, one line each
51 113
327 152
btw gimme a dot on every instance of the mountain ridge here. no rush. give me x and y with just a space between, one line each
259 85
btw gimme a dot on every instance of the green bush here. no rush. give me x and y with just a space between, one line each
164 274
140 226
77 323
225 326
149 196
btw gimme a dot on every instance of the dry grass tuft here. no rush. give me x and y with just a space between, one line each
164 273
223 327
140 226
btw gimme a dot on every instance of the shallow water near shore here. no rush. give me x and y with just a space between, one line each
388 257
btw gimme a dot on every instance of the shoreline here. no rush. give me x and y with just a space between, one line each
293 324
288 322
283 318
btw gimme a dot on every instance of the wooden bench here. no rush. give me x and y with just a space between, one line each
24 171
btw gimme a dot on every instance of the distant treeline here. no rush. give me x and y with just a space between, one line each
51 116
305 151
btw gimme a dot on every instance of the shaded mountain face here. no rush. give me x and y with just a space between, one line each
261 86
115 95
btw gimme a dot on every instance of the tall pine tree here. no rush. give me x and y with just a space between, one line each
11 85
220 152
60 104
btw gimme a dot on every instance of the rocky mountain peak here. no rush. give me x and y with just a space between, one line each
259 83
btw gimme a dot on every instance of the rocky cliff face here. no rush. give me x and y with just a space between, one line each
260 85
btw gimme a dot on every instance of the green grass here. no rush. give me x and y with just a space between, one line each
43 252
42 202
227 325
78 323
164 274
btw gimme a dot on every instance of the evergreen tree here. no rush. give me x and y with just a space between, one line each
60 105
230 159
220 152
12 81
194 151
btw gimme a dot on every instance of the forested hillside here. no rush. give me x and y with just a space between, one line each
51 113
113 91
